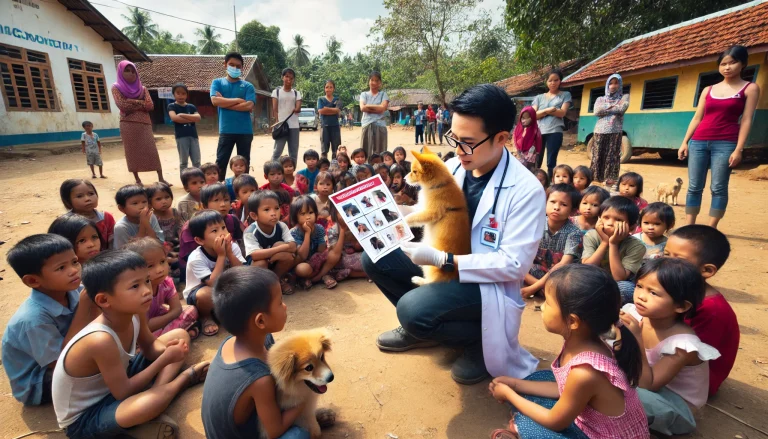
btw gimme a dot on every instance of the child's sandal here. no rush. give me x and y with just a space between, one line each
503 434
307 284
329 281
286 287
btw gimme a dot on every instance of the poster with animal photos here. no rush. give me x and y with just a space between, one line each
369 209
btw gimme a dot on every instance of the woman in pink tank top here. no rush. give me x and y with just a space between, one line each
717 134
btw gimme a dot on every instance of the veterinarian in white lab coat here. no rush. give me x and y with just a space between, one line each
507 224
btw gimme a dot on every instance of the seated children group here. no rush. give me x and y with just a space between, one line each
106 342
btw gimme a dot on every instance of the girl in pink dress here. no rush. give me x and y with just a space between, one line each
590 391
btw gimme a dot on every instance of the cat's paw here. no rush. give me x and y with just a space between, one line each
418 280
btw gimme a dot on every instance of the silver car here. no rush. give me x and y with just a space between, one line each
308 119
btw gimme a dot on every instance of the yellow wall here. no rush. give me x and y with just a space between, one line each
687 80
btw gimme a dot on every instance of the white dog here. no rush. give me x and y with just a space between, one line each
664 191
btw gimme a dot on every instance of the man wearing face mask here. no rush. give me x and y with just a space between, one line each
235 99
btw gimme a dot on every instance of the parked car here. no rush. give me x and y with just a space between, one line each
308 119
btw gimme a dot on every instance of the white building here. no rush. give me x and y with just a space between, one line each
57 67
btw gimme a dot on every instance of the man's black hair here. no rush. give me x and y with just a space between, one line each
491 104
712 245
189 174
235 55
622 205
181 86
243 180
286 70
29 255
298 204
201 220
254 201
310 154
286 159
210 191
567 189
128 191
100 273
241 292
272 166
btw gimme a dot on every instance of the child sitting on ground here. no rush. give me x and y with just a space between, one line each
91 146
345 253
715 322
239 166
47 319
609 245
561 243
169 218
239 397
310 172
81 233
675 373
591 200
273 172
562 174
590 392
527 138
399 154
80 196
211 172
100 382
166 312
404 194
374 159
655 220
193 181
388 159
323 164
358 156
296 182
582 178
321 195
311 248
268 241
244 186
216 252
216 197
363 172
543 178
342 159
139 221
631 186
383 171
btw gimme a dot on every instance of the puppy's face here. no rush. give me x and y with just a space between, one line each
299 360
679 180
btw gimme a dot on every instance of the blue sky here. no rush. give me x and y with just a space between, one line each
316 20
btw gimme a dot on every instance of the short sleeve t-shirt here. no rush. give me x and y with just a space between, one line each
200 265
233 121
554 246
317 238
652 251
125 230
286 104
311 175
183 129
551 124
165 292
256 239
91 143
368 98
473 190
332 120
631 251
419 116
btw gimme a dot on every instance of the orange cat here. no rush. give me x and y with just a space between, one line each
445 216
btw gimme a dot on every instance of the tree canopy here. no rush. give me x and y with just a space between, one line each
141 30
209 43
253 38
298 54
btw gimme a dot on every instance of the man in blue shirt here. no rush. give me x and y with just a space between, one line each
418 117
235 99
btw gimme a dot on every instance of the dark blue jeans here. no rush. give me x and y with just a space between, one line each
419 133
448 313
552 143
703 156
227 143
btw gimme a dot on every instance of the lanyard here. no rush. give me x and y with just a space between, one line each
498 188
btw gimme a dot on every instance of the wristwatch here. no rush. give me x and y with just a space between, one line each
449 266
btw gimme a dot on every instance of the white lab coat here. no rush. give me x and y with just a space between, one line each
520 214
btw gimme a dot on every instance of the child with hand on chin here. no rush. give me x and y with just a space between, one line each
139 220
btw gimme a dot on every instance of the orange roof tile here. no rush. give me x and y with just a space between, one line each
702 37
195 71
519 84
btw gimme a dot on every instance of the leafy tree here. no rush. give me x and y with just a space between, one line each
141 29
166 43
551 31
256 39
209 43
298 54
333 47
427 28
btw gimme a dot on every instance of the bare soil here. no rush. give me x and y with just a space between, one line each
407 395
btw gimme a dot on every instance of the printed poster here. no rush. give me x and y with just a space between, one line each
369 210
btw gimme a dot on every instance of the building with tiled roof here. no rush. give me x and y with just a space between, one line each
532 83
666 71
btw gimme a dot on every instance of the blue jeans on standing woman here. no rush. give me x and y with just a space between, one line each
552 143
702 156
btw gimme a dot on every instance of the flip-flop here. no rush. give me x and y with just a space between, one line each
329 281
162 427
503 434
195 327
93 176
342 274
197 376
307 284
208 323
286 287
103 176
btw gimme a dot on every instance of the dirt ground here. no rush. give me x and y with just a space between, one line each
407 395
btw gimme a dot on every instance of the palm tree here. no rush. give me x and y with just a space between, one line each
298 54
141 30
334 49
209 41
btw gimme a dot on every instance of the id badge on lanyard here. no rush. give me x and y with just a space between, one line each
490 234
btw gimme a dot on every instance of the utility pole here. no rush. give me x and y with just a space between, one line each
234 16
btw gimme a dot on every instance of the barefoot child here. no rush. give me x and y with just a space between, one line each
715 322
193 180
216 253
101 385
342 159
582 178
655 220
80 196
166 312
184 116
289 174
244 186
363 172
216 197
321 195
388 159
273 172
91 146
56 309
399 154
81 232
527 138
268 241
543 178
211 172
169 218
358 156
562 174
311 248
139 221
591 200
675 373
239 166
383 171
590 392
631 186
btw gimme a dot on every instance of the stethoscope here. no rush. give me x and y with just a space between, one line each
498 188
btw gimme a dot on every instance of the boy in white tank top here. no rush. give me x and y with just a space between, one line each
99 379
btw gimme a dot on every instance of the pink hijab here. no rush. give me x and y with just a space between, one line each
130 90
525 143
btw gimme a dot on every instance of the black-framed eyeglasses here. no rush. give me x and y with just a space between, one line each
466 148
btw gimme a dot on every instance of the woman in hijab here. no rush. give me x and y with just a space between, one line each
606 153
527 138
134 103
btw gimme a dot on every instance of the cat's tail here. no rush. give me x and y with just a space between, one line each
418 280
